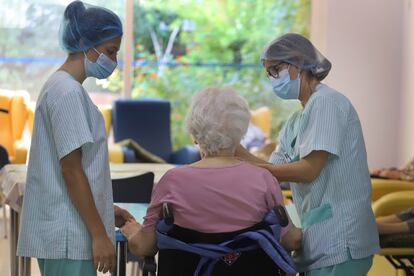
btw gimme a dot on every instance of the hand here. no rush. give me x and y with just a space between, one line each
375 172
391 174
261 165
292 240
130 228
240 152
121 216
103 252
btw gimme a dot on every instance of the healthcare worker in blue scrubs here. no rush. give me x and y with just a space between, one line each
68 213
321 152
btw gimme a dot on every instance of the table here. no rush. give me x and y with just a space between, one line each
12 187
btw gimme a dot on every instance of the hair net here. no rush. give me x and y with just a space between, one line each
84 26
299 51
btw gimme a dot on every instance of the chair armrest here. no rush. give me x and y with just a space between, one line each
20 153
186 155
396 251
116 154
381 187
129 155
393 203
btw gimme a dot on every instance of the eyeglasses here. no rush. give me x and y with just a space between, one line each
273 71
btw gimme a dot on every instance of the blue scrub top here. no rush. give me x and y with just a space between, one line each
335 208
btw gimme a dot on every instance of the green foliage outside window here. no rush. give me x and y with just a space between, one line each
227 31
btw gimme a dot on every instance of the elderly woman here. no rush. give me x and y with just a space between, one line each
219 193
322 153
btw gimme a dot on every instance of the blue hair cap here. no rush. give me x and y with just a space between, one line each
85 26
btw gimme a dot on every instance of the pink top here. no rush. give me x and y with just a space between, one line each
211 200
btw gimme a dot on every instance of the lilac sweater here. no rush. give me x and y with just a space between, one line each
219 199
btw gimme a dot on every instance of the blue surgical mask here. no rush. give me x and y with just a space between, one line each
101 69
284 87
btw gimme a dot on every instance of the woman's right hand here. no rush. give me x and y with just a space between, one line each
104 256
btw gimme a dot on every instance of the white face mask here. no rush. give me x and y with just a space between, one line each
101 69
284 87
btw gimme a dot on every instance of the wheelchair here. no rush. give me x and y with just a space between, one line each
251 251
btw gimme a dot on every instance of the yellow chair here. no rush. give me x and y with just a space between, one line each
115 151
393 203
262 118
12 122
287 196
116 154
381 187
106 111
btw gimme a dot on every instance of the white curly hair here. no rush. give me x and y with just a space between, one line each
218 119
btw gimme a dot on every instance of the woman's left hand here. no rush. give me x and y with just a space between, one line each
391 174
130 228
121 216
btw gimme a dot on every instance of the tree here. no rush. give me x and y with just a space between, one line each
227 33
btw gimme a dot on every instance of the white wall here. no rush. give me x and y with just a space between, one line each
406 137
363 40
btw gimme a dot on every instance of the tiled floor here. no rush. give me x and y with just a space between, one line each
381 266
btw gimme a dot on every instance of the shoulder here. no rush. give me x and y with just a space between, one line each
257 172
293 118
328 99
60 88
173 175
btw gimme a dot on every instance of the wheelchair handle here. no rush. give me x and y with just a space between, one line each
167 214
281 215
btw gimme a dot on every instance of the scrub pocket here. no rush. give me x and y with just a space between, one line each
316 215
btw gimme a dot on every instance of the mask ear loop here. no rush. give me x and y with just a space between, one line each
84 53
97 51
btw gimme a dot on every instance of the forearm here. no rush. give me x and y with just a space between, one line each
299 171
143 244
393 228
306 170
81 195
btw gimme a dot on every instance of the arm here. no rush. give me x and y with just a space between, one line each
305 170
80 193
291 237
393 228
245 155
121 216
141 243
142 238
390 174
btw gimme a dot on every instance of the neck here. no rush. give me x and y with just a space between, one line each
74 65
219 156
218 160
225 153
307 88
